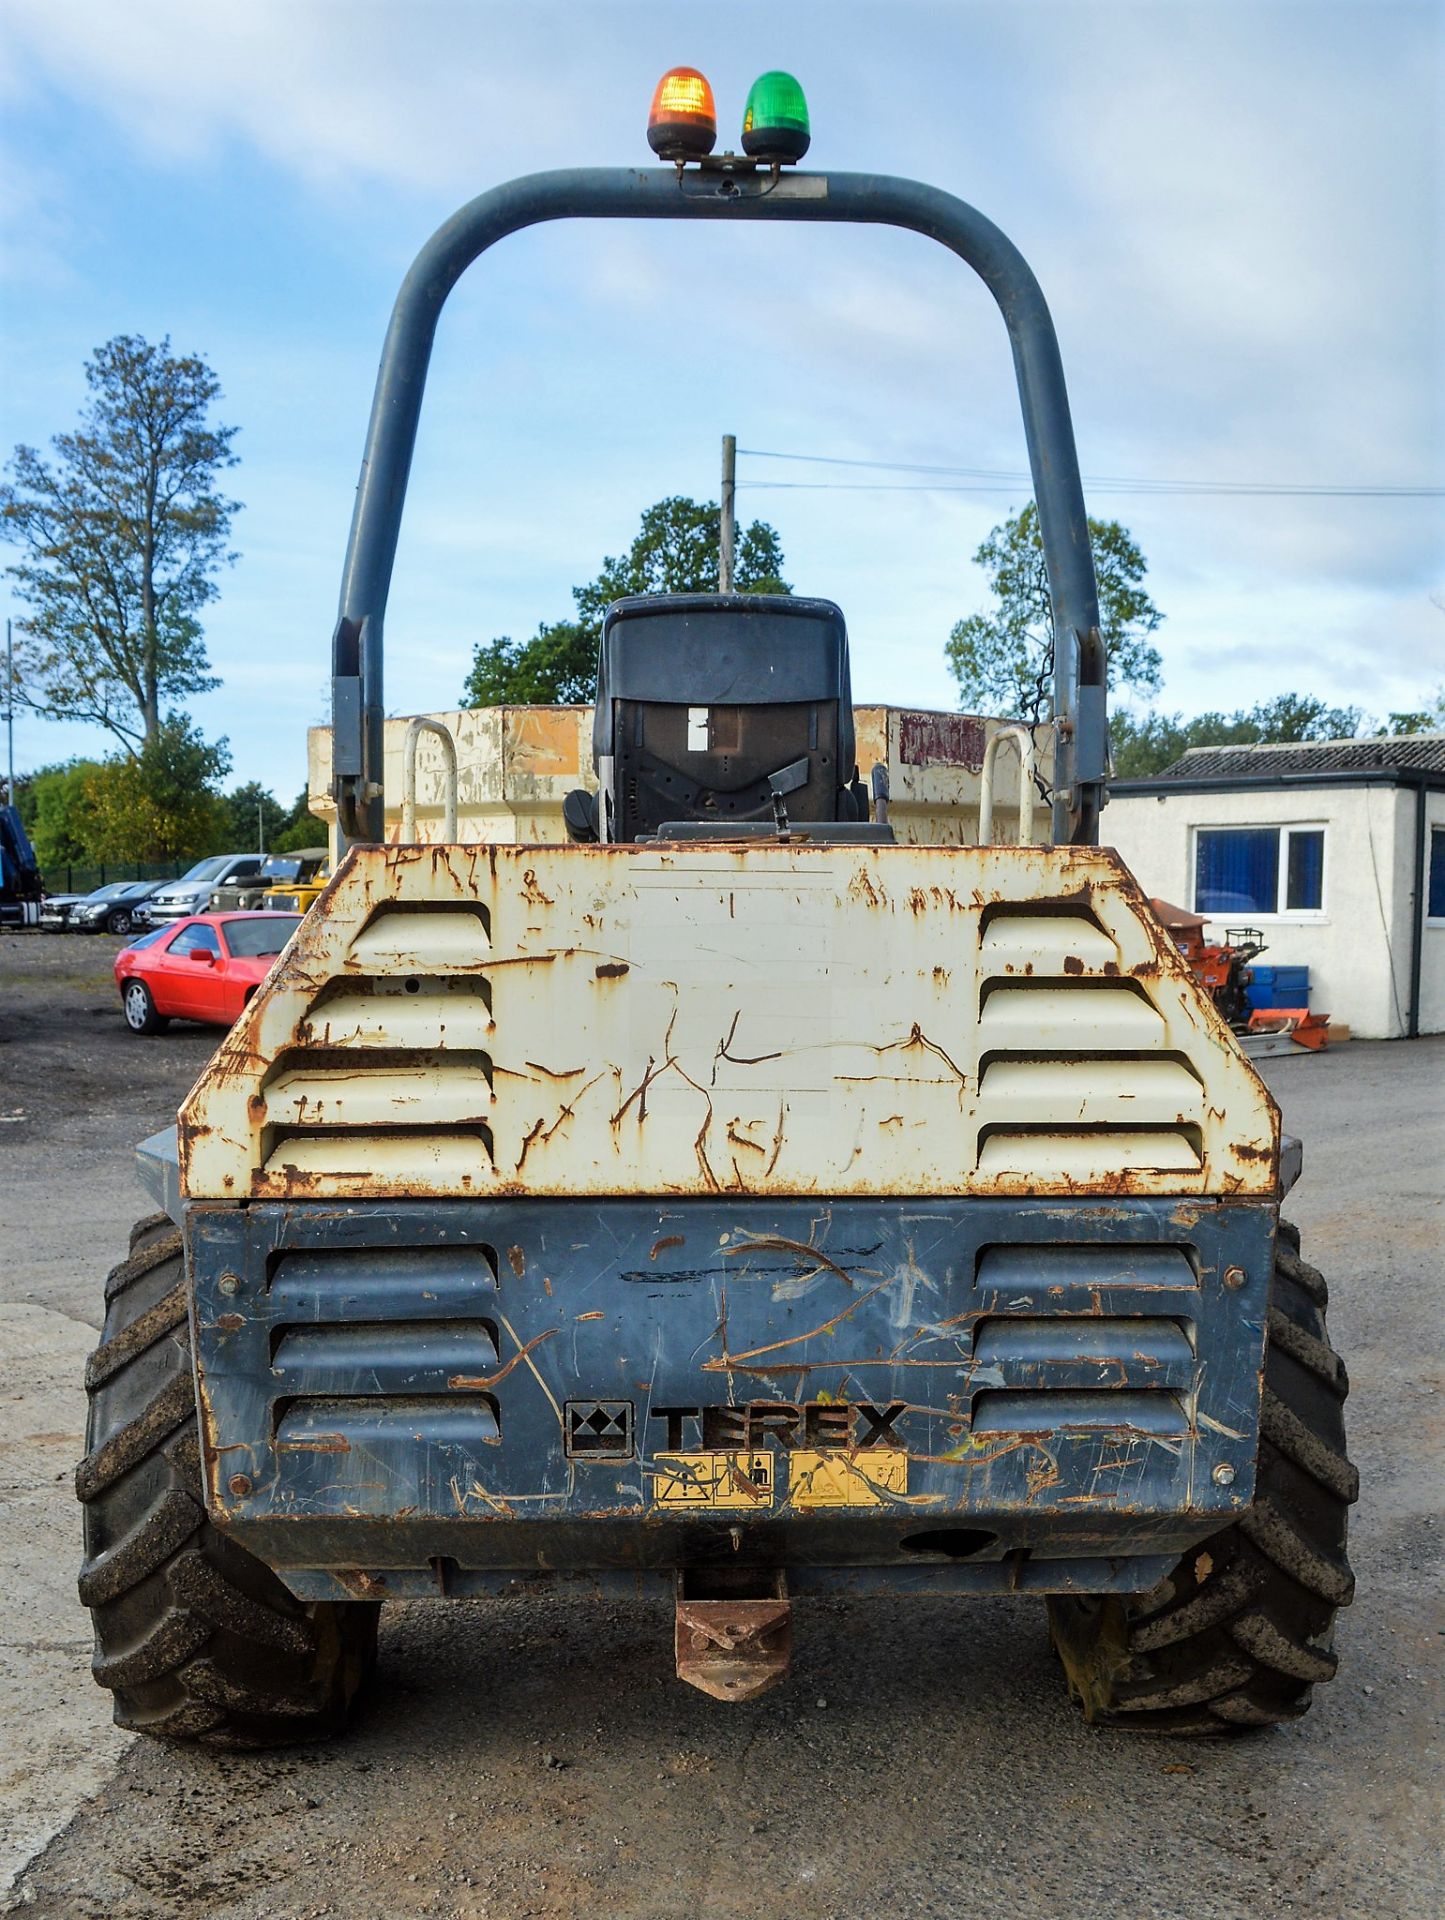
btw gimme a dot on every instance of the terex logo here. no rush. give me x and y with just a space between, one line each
815 1424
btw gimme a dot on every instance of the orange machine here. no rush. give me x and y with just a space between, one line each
1223 971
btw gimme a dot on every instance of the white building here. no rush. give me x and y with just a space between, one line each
1334 850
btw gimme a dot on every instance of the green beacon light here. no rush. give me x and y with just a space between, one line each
775 122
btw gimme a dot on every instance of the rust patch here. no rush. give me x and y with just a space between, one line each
862 888
612 970
741 1139
533 1132
774 1243
517 1261
1073 964
230 1322
480 1383
366 1586
668 1240
733 1649
738 1059
941 740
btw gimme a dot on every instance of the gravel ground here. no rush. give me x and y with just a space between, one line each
536 1758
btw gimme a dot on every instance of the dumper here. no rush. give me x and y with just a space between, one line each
728 1195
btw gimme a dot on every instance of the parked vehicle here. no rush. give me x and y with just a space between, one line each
206 968
192 892
307 887
739 1196
109 909
56 908
268 888
20 888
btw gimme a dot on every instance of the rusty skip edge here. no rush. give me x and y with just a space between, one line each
862 1343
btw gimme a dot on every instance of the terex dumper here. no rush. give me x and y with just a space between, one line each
730 1197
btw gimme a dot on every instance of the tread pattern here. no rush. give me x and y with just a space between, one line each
148 1227
147 1253
1318 1356
1240 1632
148 1327
142 1551
196 1639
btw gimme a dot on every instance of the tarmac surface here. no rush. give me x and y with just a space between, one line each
536 1758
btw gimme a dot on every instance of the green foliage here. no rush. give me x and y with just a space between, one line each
120 539
1147 743
249 808
557 666
1000 657
302 828
162 803
675 552
56 811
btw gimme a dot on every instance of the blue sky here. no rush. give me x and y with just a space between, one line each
1234 209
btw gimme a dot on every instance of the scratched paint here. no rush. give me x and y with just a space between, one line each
770 1020
406 1382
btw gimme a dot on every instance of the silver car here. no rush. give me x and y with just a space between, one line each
192 892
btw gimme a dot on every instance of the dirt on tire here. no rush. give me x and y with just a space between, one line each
195 1637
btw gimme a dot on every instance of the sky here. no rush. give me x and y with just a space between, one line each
1234 208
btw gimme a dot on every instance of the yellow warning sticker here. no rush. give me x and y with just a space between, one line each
861 1477
740 1482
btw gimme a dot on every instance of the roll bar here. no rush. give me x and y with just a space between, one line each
718 191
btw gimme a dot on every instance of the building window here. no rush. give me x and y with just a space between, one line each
1260 869
1436 894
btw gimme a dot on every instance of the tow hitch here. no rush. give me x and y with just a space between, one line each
734 1630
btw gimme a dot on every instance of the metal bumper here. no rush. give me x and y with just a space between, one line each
984 1395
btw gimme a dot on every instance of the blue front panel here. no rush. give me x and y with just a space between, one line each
523 1385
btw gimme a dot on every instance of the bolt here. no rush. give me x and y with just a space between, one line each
1224 1474
1234 1276
229 1283
240 1484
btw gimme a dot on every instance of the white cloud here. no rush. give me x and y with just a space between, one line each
1232 208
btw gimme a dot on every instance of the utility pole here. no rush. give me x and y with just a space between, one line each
9 715
260 824
728 529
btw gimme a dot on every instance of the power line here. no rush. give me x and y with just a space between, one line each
1003 480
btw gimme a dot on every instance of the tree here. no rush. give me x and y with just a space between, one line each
1148 743
1001 658
251 810
55 808
121 538
1300 716
302 828
160 803
675 551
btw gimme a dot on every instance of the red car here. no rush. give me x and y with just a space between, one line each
202 968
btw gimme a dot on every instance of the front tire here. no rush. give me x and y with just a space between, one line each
1241 1631
120 921
139 1009
195 1637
